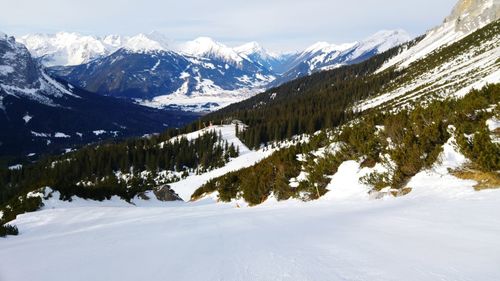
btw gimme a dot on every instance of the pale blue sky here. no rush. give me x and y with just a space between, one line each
279 25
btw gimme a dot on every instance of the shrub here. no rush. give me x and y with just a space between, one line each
8 229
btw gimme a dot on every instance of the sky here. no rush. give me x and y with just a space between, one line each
279 25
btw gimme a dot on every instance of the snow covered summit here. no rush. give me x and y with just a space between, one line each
69 48
208 48
146 43
325 56
199 75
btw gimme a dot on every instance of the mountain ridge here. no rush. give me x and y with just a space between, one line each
212 74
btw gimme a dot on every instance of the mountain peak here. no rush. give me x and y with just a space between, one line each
205 40
203 45
469 15
385 39
71 48
317 46
144 43
249 48
207 47
113 40
253 49
326 47
390 33
64 48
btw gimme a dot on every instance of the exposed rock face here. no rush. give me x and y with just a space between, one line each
17 68
467 16
164 193
470 15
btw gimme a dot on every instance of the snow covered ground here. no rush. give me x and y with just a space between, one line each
443 230
412 238
186 187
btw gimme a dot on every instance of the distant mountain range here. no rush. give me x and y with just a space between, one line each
41 114
65 89
199 75
66 49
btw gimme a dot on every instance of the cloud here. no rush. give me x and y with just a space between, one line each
278 24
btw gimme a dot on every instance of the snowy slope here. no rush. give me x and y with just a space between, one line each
380 42
457 72
323 55
443 230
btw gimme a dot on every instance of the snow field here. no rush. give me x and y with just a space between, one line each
442 230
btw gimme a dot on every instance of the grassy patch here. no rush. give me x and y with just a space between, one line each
485 180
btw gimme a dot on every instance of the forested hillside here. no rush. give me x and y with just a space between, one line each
125 169
403 142
327 99
309 104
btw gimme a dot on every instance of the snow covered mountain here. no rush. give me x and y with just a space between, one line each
199 75
169 79
208 48
39 113
472 64
253 51
65 49
324 56
466 17
205 75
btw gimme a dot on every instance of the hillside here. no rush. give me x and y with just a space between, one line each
325 99
384 170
